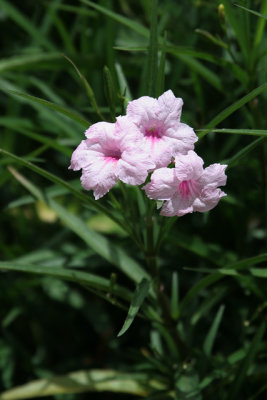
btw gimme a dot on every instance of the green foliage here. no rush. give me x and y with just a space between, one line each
73 268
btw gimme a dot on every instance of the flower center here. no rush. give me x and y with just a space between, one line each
188 188
112 156
153 133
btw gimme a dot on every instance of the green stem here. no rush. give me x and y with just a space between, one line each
151 259
131 226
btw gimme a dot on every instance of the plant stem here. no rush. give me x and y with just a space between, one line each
151 259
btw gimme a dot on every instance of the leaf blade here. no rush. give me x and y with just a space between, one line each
139 296
62 110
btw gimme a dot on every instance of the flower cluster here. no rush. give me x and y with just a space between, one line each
147 140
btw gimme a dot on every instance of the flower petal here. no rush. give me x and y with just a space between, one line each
184 137
79 157
100 177
177 206
163 184
101 132
142 110
170 109
127 132
134 165
208 199
159 150
214 175
188 167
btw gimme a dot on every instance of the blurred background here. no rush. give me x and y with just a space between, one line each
49 326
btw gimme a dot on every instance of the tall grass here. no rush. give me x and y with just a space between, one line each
72 269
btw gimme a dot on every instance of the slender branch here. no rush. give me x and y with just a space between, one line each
151 259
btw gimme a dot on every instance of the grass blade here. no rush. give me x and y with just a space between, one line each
252 11
138 384
260 25
62 110
139 296
247 362
26 61
237 26
102 246
61 182
26 24
50 142
110 92
152 59
175 295
88 89
211 336
242 153
161 72
33 189
84 278
232 108
259 272
207 74
135 26
214 277
123 84
253 132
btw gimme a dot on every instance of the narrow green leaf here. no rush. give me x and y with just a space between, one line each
51 191
246 363
224 271
208 303
211 336
55 179
138 384
260 391
124 87
161 71
259 272
102 246
139 296
232 108
50 142
110 93
175 295
152 59
207 74
237 26
62 110
26 24
84 278
34 190
135 26
260 25
252 132
77 10
212 38
252 11
62 31
215 277
88 89
245 263
239 73
203 71
243 152
197 288
26 61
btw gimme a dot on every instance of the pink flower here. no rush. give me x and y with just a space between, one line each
159 122
111 152
187 187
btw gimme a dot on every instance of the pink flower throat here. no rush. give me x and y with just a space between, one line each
112 156
154 132
188 188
